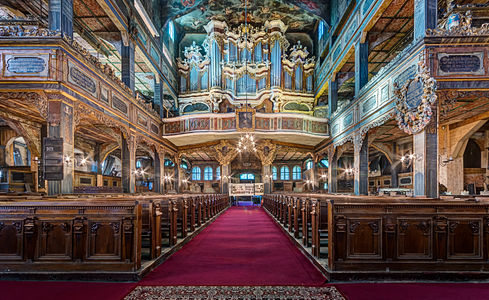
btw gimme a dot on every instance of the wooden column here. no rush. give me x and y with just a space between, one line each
61 16
266 175
425 146
128 154
332 173
158 96
425 17
157 173
127 63
225 171
360 161
394 168
361 66
332 96
60 125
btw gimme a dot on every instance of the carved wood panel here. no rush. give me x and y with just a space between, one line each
414 239
464 238
104 240
11 240
364 238
55 240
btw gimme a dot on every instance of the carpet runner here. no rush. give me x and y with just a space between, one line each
243 247
235 292
242 255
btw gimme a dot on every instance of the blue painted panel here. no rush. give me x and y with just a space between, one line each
298 79
204 81
258 52
309 83
183 84
276 64
287 81
194 79
262 84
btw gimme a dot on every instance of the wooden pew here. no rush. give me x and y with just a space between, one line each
70 236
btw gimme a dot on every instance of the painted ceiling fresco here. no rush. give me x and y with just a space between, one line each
192 15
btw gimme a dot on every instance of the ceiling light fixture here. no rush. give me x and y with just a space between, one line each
246 142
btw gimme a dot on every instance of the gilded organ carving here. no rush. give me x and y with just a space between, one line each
246 64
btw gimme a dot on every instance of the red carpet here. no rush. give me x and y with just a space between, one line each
243 246
415 291
58 290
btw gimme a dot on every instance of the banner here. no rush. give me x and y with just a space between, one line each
246 189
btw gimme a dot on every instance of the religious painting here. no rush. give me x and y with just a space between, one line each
245 119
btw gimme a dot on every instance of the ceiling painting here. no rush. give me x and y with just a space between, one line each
233 12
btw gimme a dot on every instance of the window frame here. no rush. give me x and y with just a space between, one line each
296 173
196 175
208 173
284 173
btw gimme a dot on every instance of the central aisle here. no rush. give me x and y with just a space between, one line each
243 246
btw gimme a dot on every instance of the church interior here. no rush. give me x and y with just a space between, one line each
244 149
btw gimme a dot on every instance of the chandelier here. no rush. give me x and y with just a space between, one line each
246 143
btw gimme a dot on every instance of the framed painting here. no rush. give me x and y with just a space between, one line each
245 119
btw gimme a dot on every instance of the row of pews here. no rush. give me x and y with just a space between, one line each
304 217
358 236
99 232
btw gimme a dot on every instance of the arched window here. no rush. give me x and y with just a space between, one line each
171 30
196 173
274 173
296 173
138 164
472 155
247 176
324 163
309 165
208 173
218 173
284 173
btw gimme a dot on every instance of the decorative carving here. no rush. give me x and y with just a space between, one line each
353 226
403 226
452 226
86 111
440 224
18 226
29 225
128 225
424 226
65 226
474 226
225 152
412 117
116 226
94 227
79 224
389 226
340 223
46 227
27 31
448 98
39 100
374 225
458 24
376 123
266 152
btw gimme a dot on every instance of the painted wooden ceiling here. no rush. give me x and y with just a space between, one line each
192 15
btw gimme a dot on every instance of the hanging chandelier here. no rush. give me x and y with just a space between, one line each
247 142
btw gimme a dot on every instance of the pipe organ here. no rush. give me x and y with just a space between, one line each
249 64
